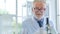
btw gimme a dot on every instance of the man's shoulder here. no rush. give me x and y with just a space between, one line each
26 22
27 19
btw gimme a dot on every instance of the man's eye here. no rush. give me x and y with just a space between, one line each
35 8
44 8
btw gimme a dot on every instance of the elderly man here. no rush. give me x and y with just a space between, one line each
38 23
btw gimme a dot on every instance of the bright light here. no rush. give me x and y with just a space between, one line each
2 4
11 6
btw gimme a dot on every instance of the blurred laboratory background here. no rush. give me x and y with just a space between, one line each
14 12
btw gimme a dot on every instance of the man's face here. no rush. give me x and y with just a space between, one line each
39 9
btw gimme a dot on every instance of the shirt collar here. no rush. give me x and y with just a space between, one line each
42 19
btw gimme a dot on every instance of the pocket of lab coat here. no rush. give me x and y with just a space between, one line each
41 31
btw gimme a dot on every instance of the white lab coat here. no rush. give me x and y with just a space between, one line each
30 26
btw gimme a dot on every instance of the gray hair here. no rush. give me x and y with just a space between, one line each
44 1
39 1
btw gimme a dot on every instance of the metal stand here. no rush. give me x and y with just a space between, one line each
48 26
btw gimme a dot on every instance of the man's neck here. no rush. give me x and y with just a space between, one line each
38 18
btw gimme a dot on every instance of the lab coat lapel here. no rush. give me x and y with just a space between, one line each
37 30
35 24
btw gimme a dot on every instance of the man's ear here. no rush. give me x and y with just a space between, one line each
32 9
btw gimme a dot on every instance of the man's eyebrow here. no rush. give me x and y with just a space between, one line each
36 7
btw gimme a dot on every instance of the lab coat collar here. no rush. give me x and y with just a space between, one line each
44 23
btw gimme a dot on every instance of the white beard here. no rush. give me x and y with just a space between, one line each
37 17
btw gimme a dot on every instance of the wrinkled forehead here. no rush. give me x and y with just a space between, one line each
39 4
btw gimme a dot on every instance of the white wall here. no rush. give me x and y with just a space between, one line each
52 11
58 15
5 24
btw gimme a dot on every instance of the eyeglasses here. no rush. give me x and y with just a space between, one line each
37 9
